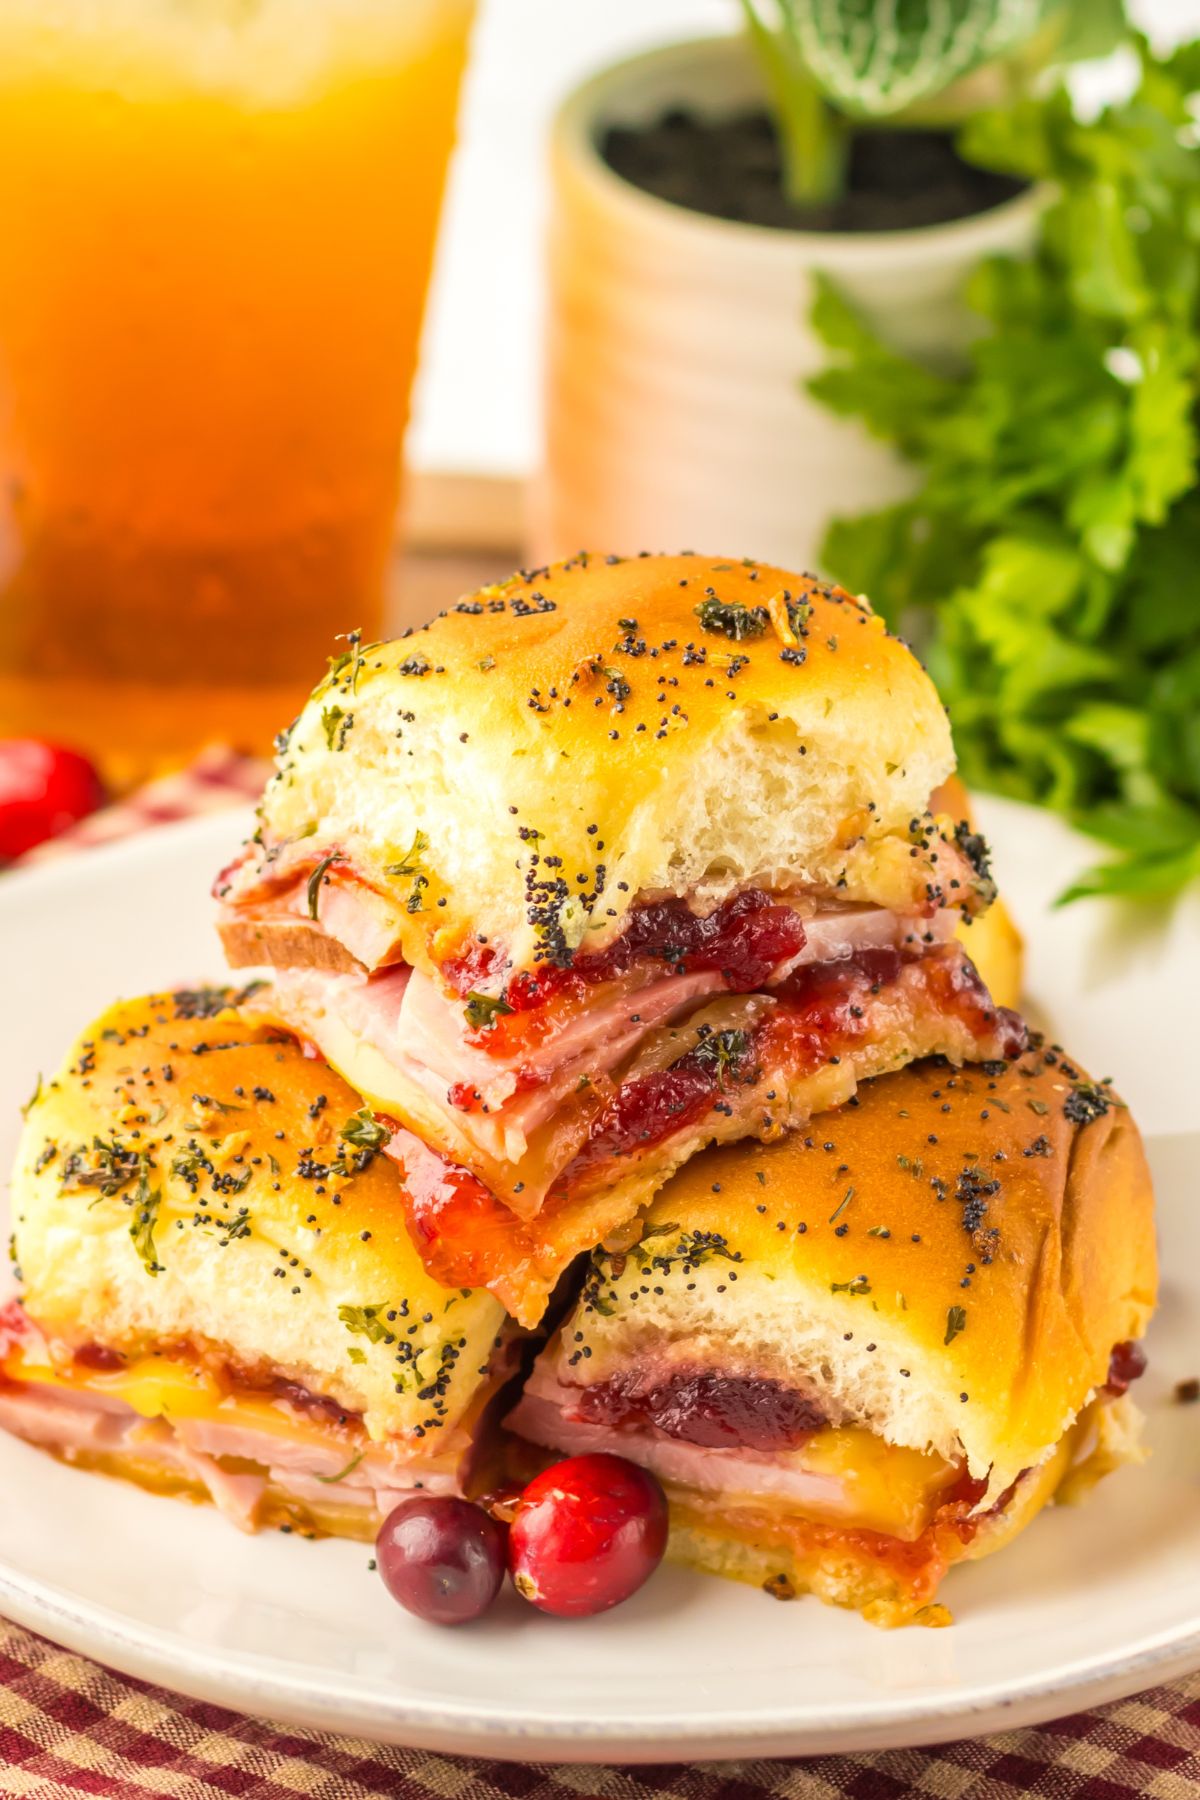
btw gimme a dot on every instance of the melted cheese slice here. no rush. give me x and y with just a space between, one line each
163 1387
877 1486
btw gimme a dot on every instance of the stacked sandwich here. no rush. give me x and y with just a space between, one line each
622 1039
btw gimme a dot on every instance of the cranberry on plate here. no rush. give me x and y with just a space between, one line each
586 1534
441 1558
43 789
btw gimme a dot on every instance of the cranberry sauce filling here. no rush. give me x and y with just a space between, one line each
652 1107
467 1237
819 996
1126 1364
464 1235
99 1357
823 1008
745 939
705 1407
316 1406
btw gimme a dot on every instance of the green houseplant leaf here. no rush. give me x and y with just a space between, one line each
1047 563
874 58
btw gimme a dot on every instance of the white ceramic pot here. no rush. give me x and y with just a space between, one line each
677 345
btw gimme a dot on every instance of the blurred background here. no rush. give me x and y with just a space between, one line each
916 306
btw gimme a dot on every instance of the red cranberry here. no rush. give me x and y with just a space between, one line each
587 1533
1126 1364
43 789
441 1558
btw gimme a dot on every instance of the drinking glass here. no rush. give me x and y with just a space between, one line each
217 219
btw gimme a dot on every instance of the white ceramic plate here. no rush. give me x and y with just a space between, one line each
1087 1606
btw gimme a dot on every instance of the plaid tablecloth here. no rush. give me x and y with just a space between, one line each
69 1727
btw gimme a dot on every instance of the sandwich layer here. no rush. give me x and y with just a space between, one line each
866 1342
506 1184
218 1290
610 860
504 788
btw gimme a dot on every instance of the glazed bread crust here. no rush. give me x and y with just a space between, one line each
527 766
949 1260
184 1184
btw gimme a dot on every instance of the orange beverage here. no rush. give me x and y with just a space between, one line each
216 224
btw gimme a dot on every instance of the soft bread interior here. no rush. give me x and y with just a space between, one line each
857 1367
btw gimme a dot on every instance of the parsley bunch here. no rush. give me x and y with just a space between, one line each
1049 565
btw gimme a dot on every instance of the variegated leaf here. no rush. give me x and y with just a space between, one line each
876 57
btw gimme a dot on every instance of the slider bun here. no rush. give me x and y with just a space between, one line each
253 1265
653 757
991 939
996 947
813 1558
948 1314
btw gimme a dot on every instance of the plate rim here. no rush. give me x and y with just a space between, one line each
251 1684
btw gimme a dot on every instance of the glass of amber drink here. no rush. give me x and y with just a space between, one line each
217 219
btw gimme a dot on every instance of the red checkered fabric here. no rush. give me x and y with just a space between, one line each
219 778
70 1728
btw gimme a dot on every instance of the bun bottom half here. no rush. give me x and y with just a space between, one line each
889 1581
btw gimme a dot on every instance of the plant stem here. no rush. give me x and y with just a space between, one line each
814 141
813 138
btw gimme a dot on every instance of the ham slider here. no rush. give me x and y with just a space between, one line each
879 1347
611 860
218 1295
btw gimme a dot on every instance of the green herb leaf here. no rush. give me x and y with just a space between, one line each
840 1208
316 878
723 1052
238 1226
336 724
146 1203
363 1130
956 1320
366 1321
411 861
482 1010
341 1475
859 1285
348 663
732 620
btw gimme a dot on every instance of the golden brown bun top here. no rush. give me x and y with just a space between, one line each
185 1181
972 1243
548 749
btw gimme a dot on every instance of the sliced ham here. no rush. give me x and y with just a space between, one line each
835 933
54 1419
422 1033
544 1417
74 1422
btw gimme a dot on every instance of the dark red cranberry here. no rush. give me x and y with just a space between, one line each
441 1558
43 789
1125 1365
586 1534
